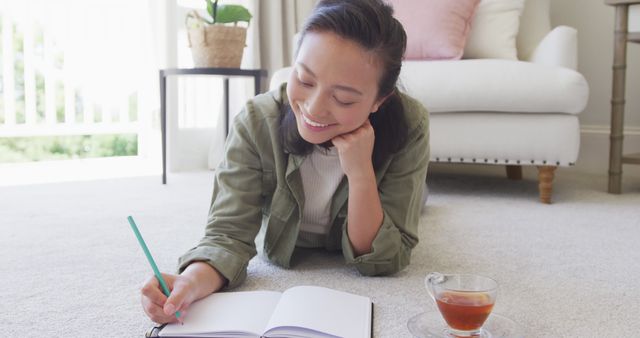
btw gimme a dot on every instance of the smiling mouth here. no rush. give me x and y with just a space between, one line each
313 123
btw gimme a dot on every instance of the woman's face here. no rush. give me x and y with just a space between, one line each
333 86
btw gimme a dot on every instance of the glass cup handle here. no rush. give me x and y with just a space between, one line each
433 277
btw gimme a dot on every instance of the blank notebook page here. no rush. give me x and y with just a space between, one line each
247 311
334 312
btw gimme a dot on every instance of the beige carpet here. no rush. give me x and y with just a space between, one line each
71 267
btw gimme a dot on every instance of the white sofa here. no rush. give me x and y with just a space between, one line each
505 112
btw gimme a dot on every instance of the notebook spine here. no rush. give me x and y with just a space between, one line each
154 331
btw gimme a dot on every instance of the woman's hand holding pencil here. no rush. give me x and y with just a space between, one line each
197 281
165 297
162 309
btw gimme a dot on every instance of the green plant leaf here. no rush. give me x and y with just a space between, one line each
211 9
232 13
215 11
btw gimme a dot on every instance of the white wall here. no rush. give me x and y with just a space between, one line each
595 23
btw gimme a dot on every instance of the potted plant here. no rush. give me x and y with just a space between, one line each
218 41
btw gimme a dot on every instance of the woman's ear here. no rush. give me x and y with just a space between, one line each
379 102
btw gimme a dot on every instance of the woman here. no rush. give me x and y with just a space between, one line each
335 158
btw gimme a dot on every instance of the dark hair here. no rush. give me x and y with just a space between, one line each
369 23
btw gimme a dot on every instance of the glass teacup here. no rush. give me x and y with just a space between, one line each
465 301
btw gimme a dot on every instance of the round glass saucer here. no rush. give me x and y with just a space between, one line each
432 325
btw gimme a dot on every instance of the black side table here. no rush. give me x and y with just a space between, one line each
257 75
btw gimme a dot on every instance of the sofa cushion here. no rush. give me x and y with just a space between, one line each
494 30
494 85
436 29
535 23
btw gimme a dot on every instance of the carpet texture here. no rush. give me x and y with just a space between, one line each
71 266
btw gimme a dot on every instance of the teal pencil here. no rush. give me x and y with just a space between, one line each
165 289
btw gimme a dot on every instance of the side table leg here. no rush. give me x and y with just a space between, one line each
256 84
618 100
225 86
163 124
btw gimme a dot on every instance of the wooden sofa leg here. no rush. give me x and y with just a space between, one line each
545 182
514 172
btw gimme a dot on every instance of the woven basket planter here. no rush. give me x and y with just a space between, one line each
217 46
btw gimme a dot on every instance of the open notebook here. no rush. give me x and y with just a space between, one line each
301 311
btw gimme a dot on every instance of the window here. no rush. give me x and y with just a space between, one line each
77 79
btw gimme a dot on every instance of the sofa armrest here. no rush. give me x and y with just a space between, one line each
279 77
558 48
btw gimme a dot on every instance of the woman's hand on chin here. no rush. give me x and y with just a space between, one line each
355 150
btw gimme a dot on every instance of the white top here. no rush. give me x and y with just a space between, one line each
321 174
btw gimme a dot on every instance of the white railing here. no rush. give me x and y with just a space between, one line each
43 58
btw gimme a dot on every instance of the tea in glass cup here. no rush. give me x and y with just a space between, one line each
464 301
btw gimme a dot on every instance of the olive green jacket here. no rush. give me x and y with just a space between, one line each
258 184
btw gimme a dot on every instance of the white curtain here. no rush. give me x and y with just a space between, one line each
279 21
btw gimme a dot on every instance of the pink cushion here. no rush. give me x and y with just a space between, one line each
436 29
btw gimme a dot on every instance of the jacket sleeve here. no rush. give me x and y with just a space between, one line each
235 213
401 190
